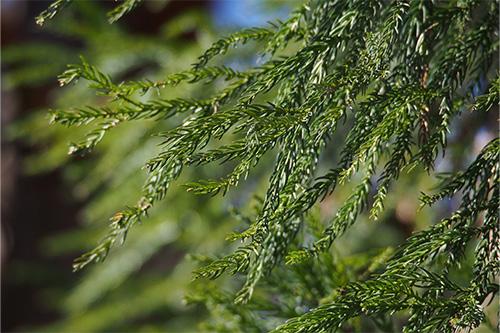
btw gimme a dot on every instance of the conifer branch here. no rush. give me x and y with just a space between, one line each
54 8
382 81
114 15
124 8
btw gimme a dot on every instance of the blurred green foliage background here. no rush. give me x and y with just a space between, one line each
54 207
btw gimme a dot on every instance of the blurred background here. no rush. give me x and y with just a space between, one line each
55 207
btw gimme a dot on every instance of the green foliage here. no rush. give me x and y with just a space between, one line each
114 15
149 277
392 76
406 284
52 11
